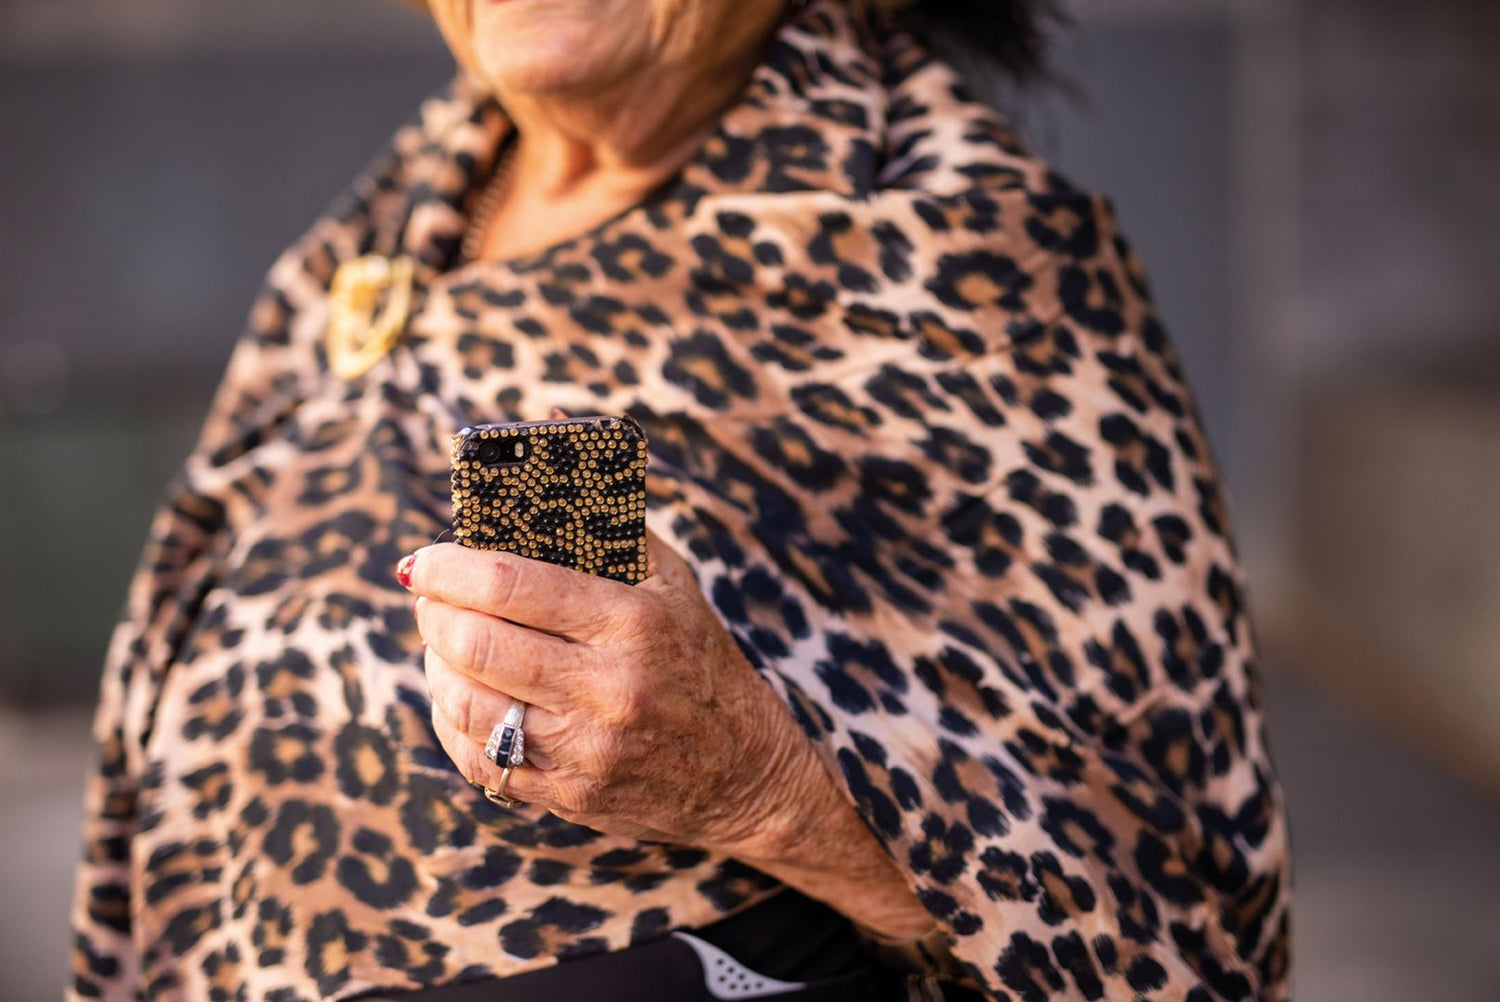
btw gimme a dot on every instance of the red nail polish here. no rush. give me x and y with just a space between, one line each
403 570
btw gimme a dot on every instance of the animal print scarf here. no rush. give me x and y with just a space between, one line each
918 428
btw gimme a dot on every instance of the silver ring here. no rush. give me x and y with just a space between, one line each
507 744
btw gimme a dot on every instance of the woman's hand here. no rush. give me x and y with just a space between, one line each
644 718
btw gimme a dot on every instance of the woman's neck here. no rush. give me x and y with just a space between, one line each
582 158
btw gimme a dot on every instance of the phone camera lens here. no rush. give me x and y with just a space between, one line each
496 452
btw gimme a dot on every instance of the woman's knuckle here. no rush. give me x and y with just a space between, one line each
472 763
474 642
461 699
500 590
609 752
629 619
437 687
583 793
588 747
626 703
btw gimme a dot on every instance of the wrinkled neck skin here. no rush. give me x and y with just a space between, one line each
591 147
645 124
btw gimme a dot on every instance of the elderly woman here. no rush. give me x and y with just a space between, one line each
942 684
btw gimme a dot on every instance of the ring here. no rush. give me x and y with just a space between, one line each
497 794
507 744
507 749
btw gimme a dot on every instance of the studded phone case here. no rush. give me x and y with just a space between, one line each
571 492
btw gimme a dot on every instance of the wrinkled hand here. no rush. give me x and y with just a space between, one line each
644 718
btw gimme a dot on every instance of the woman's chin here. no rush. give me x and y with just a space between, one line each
552 67
534 76
557 49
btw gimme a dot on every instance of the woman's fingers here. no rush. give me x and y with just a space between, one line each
474 710
555 599
529 665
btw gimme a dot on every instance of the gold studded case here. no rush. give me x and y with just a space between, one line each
571 492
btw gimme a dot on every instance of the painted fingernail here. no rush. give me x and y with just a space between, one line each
558 414
403 570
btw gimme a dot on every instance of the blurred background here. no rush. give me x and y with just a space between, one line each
1314 186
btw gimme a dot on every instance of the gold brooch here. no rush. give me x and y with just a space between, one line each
357 336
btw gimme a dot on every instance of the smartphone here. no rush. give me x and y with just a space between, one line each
571 492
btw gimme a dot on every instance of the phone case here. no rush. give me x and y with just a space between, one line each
571 492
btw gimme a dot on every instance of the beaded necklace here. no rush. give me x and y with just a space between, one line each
489 203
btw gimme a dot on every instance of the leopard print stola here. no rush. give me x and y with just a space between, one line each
913 418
